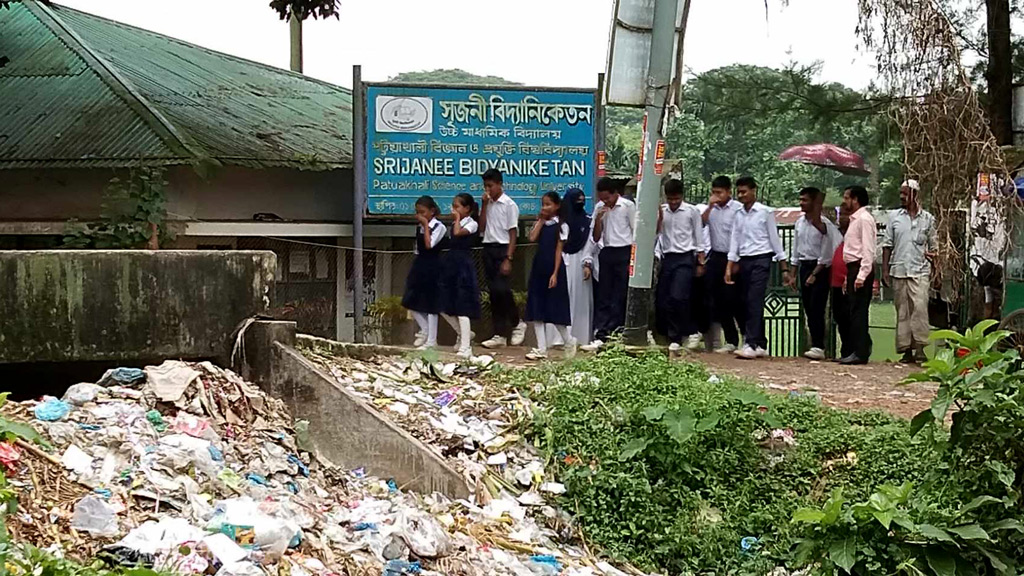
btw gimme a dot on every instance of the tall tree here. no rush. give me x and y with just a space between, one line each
306 8
999 73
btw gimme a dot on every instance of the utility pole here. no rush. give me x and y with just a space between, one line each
648 197
359 196
295 25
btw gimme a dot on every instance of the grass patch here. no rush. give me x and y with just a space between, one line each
671 471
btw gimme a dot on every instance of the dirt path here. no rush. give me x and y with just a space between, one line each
870 387
874 386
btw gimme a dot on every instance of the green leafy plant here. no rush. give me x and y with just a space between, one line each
133 214
383 317
966 517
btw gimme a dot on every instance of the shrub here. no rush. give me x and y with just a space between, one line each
672 470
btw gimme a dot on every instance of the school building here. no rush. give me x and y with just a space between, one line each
255 157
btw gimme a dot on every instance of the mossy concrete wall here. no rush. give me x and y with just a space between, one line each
90 305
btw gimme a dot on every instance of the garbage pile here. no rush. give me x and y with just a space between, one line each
470 421
185 467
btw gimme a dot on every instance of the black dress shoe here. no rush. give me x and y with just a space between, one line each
908 357
852 359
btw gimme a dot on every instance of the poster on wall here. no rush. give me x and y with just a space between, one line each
438 141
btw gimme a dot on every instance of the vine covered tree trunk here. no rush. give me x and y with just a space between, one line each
1000 71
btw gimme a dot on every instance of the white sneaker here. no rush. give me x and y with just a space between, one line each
674 348
536 354
570 348
761 352
694 342
747 353
726 349
421 339
594 346
427 346
465 353
495 342
815 354
519 334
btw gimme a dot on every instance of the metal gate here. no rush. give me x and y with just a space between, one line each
783 309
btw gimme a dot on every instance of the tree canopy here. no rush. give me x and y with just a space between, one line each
453 76
306 8
737 119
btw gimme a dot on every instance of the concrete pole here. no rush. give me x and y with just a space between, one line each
359 196
295 24
648 196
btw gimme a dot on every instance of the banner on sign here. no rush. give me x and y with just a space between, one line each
659 157
424 140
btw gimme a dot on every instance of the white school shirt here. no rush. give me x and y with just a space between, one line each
705 244
563 232
754 232
502 216
810 244
619 224
437 232
681 231
720 223
468 225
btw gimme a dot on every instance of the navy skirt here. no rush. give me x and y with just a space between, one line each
543 304
459 291
422 290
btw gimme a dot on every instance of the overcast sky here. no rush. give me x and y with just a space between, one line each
535 42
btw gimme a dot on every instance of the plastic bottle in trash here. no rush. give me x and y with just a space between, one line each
401 568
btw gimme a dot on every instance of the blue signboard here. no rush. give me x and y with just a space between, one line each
438 141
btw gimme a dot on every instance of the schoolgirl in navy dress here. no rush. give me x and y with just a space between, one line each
547 299
422 294
460 293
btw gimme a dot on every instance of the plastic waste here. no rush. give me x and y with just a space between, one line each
224 549
169 380
545 564
122 377
195 427
749 544
302 439
76 460
240 569
445 398
9 457
401 567
303 469
52 409
92 514
157 420
424 534
80 394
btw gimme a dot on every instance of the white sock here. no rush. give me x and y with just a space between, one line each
542 341
432 330
421 320
467 335
563 331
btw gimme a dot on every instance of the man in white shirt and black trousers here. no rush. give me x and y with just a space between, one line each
499 224
755 244
724 301
680 245
614 222
815 240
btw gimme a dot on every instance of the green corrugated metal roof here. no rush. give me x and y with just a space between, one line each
83 91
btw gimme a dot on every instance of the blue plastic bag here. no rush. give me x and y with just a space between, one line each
52 410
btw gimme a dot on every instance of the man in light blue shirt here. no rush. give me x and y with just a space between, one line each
754 245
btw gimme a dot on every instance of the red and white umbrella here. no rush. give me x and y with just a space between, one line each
827 156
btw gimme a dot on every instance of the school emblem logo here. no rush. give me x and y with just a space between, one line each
406 114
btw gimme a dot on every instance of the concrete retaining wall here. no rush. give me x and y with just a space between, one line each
346 430
112 305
